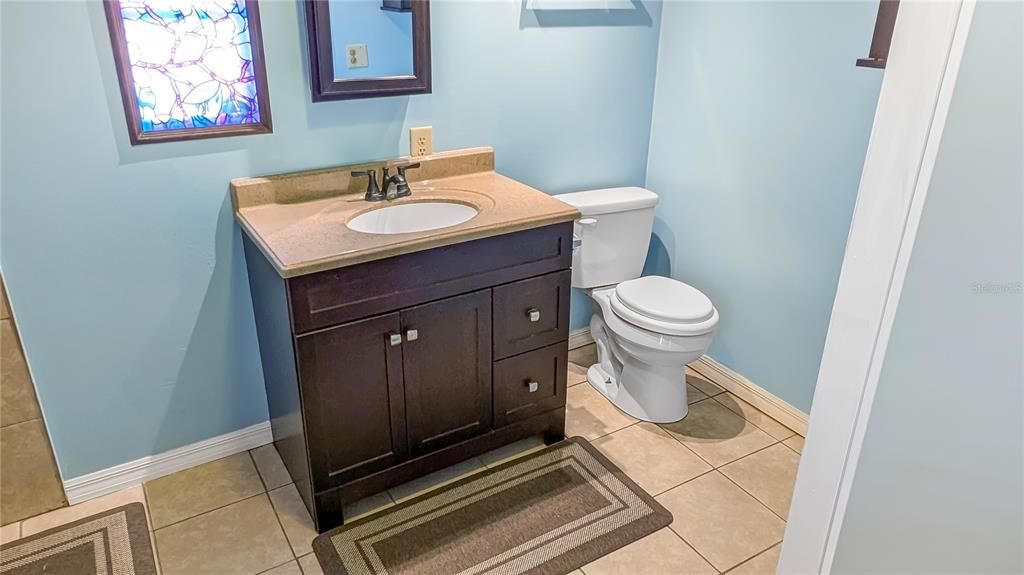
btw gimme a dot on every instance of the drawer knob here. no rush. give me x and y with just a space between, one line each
412 335
534 314
532 386
395 339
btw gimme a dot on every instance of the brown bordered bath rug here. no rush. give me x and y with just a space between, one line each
112 542
547 513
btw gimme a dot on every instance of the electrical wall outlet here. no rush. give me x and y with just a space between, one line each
421 141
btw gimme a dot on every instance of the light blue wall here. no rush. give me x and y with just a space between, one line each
124 264
760 126
387 35
939 486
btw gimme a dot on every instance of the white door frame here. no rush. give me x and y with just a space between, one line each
920 76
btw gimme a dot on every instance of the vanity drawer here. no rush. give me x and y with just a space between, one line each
531 313
529 384
337 296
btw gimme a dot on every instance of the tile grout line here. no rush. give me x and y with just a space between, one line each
791 432
679 441
218 508
770 436
152 532
758 450
713 468
718 468
698 476
760 553
292 560
683 539
263 481
677 536
708 561
762 503
609 433
783 442
670 436
273 508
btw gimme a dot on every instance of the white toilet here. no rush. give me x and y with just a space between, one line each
646 328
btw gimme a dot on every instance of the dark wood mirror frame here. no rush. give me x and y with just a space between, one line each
321 59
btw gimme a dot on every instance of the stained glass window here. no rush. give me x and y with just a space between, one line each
189 69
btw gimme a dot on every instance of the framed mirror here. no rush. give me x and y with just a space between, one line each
368 48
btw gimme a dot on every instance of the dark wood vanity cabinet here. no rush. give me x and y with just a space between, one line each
383 371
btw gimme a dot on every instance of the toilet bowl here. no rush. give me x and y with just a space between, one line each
647 329
640 370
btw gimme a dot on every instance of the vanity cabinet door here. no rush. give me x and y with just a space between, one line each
353 399
447 359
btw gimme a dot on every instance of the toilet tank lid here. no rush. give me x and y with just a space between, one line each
610 200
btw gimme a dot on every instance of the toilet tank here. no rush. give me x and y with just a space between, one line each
613 234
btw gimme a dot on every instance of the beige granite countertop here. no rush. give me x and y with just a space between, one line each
298 220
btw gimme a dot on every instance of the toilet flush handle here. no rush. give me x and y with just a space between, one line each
577 239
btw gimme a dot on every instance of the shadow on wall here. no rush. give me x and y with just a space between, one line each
218 359
635 16
659 260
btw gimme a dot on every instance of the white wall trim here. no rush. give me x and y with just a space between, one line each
580 338
776 407
104 481
921 73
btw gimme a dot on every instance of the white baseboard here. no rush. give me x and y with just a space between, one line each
580 338
104 481
755 395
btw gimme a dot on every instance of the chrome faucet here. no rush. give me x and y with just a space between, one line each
395 186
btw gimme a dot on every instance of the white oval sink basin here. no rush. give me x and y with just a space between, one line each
412 217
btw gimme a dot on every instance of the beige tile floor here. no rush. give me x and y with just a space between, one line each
726 473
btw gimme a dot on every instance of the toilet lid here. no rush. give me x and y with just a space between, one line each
664 305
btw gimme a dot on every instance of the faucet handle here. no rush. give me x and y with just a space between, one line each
400 182
373 192
402 168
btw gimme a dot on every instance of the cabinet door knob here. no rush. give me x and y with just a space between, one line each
532 386
395 339
412 335
534 314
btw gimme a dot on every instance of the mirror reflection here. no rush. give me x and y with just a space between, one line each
371 38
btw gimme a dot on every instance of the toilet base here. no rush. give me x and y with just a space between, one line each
646 392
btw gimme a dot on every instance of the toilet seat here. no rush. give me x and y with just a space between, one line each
664 305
